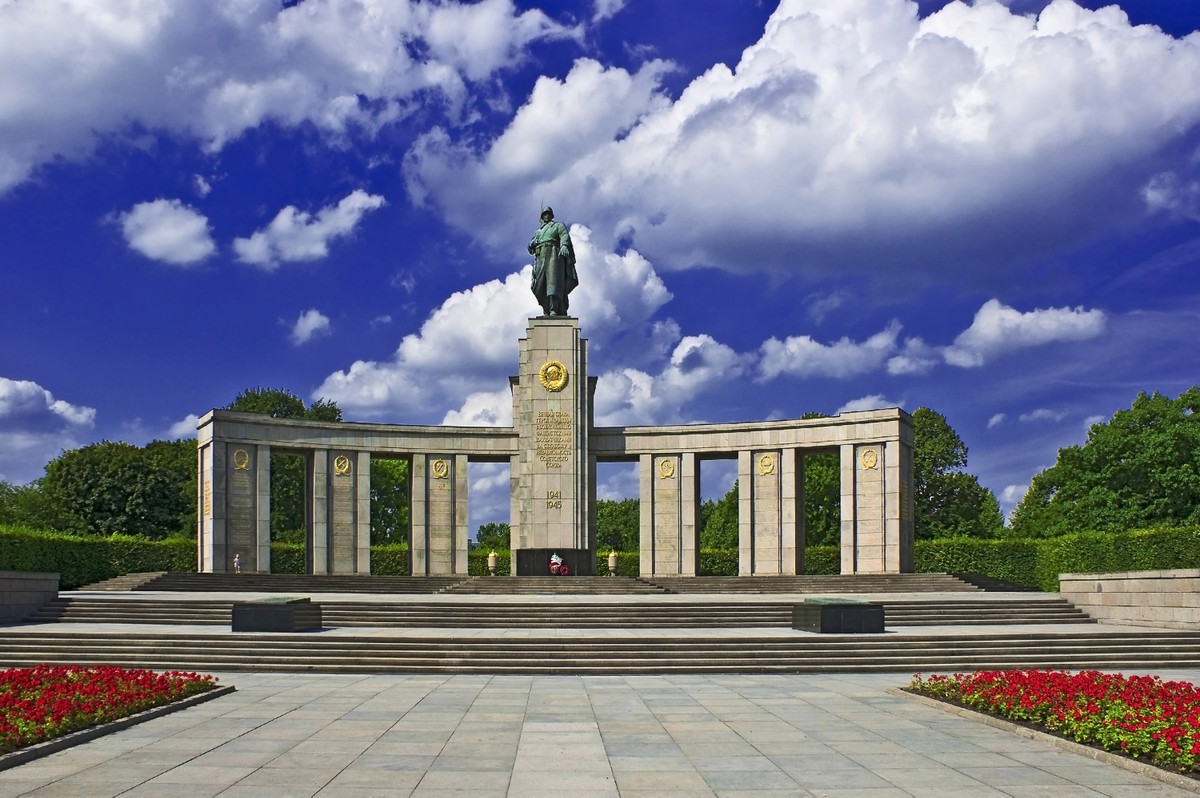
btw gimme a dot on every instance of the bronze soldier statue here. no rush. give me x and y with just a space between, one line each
554 275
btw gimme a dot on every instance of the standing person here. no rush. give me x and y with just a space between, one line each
237 563
554 275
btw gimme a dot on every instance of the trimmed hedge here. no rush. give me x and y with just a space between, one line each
82 560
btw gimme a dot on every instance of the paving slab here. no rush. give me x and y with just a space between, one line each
832 736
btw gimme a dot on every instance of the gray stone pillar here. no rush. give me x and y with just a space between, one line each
418 541
791 474
362 535
318 512
745 515
877 532
552 417
246 503
846 482
462 525
262 525
210 511
668 537
439 515
349 492
689 510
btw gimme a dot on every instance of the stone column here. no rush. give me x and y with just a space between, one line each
462 525
246 501
689 514
669 490
439 515
318 512
418 538
362 543
745 514
211 500
262 524
343 490
552 417
766 545
873 535
791 474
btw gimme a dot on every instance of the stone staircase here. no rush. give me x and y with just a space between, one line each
1135 649
637 614
126 581
643 631
555 586
283 583
818 584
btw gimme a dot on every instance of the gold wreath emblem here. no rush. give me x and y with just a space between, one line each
666 468
341 465
553 375
870 459
766 465
241 460
441 469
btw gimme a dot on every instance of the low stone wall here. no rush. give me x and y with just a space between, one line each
22 592
1137 598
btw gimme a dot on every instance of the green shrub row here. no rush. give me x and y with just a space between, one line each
82 560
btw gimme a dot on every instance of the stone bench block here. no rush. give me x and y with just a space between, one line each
837 616
277 615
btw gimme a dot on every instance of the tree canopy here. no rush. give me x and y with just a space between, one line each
111 487
948 501
492 536
1139 469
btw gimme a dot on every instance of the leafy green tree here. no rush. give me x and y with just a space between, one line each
719 521
493 536
287 470
948 502
389 501
822 499
112 487
618 525
1140 469
29 506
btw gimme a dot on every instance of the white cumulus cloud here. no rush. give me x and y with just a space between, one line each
873 401
311 324
295 235
77 71
184 428
25 404
998 329
851 126
35 427
802 356
1041 414
697 363
168 231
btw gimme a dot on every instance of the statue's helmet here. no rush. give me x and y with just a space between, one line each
547 211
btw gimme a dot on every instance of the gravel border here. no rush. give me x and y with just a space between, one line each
39 750
1057 741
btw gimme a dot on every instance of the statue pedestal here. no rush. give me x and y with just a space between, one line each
553 476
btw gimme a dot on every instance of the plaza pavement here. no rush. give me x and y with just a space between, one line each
338 736
838 735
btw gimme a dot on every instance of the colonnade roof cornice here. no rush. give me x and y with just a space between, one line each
868 426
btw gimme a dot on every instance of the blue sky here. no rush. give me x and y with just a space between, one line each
989 209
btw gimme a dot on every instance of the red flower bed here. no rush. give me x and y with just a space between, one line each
1139 716
47 701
